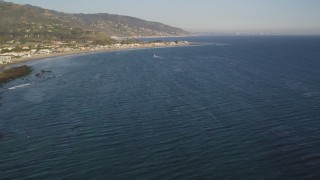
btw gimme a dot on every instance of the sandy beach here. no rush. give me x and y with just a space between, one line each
77 52
17 63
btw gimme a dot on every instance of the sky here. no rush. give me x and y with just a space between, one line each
219 16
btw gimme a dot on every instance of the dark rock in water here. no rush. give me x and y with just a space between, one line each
42 73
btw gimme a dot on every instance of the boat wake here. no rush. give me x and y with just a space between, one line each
157 57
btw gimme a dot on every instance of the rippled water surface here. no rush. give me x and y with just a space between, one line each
234 108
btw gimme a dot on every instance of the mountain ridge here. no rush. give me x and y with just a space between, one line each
22 23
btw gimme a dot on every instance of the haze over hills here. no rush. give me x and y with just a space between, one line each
29 23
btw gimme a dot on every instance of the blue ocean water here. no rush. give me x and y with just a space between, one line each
232 108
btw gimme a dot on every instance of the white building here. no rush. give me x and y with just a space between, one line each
5 59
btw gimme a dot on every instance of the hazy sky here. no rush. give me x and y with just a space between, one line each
275 16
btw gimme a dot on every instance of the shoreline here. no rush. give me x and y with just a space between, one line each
17 68
84 52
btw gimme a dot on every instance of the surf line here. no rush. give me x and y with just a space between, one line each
20 86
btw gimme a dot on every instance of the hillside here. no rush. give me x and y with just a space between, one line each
26 23
117 25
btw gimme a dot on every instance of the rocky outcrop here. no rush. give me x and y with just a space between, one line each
14 73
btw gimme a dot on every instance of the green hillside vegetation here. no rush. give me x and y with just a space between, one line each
26 24
117 25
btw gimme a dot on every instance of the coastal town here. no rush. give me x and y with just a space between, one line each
10 55
30 32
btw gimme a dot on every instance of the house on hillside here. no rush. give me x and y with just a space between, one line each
5 59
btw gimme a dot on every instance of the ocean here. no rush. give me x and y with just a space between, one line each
235 107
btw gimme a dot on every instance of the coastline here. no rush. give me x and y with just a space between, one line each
96 50
21 62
